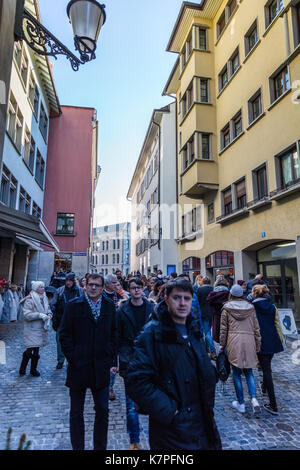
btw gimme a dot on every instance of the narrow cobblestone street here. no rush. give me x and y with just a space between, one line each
40 406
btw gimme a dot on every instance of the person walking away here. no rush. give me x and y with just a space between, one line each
8 304
243 285
198 282
111 291
216 299
61 297
88 336
239 334
58 280
37 315
132 315
206 315
271 341
171 378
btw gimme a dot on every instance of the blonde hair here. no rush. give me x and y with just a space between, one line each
260 290
199 280
221 281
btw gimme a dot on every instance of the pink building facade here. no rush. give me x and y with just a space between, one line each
71 179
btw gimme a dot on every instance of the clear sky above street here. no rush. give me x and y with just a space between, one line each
124 84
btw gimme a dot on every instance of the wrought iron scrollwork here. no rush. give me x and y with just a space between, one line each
45 43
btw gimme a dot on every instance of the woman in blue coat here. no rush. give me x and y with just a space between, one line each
270 340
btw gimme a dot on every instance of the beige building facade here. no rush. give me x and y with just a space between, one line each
236 81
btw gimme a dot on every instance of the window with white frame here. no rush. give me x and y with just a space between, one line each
29 149
24 68
24 201
40 169
251 38
34 94
15 122
191 222
8 192
36 210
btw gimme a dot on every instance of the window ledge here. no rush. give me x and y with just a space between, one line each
252 50
231 143
272 22
257 204
285 192
64 234
190 237
279 99
229 81
226 25
233 215
256 120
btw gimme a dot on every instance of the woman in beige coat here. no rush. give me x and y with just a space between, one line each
239 333
37 316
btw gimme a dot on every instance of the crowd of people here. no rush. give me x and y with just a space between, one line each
163 336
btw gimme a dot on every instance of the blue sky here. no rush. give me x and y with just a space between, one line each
124 84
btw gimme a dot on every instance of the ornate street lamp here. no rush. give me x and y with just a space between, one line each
87 18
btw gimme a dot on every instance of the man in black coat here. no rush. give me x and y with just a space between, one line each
131 317
70 290
206 315
172 379
88 337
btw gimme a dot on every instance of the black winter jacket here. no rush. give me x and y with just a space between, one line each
61 297
89 347
168 373
128 331
205 307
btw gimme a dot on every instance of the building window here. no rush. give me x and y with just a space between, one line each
251 38
118 244
18 53
234 62
272 9
260 183
237 125
8 193
225 136
113 259
279 84
240 191
296 23
36 210
15 122
114 244
221 24
205 142
107 245
118 258
202 39
289 167
227 201
210 213
24 201
231 7
102 259
65 224
106 259
156 161
24 68
29 150
204 96
191 222
223 78
34 94
39 169
255 106
188 152
43 122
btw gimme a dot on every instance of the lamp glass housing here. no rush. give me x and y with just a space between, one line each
87 18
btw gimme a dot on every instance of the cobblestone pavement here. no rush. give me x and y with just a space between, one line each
39 406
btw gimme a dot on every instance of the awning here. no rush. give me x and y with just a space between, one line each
30 243
16 223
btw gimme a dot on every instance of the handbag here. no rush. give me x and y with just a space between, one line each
223 366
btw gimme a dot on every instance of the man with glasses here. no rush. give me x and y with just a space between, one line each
131 317
88 337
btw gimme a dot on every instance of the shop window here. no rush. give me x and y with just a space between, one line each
219 259
65 224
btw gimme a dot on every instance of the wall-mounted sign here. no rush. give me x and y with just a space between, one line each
263 235
79 254
287 322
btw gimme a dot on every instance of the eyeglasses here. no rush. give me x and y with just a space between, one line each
91 284
135 288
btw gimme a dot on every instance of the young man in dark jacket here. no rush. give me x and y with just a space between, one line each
172 379
206 315
131 317
70 290
88 337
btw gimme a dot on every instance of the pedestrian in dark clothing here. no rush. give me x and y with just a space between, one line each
88 336
271 342
171 378
61 297
132 315
59 279
206 315
216 299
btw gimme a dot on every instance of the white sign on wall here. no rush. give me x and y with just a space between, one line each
287 322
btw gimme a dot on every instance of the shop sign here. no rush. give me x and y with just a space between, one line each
287 322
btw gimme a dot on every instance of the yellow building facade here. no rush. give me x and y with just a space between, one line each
237 84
